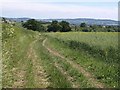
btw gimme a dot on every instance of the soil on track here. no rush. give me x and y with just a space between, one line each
39 75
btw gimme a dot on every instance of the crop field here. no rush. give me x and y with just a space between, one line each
101 39
58 60
101 43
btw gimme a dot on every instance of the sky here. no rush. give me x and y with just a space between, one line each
51 9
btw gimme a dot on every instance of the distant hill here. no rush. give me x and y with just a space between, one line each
18 19
76 21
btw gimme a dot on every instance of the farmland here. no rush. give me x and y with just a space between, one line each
32 59
94 51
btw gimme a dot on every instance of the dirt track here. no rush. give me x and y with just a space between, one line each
88 75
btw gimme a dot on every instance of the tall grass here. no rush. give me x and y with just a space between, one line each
101 44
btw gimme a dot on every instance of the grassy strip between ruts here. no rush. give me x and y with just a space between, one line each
36 74
55 77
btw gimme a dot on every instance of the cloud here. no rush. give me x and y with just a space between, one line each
54 10
60 1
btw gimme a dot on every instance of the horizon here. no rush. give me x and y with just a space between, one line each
52 9
59 18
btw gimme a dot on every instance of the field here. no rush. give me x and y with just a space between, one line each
96 43
93 51
59 60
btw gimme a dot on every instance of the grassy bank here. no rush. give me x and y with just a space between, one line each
105 71
15 44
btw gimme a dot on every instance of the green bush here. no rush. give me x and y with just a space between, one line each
33 25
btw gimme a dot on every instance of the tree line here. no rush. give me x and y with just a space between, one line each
64 26
95 28
55 26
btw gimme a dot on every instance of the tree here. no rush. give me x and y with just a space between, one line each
54 27
94 28
33 25
83 25
4 20
65 26
62 26
86 30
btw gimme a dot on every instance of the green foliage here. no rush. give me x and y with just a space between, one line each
65 26
7 31
34 25
4 20
94 28
62 26
54 27
86 30
83 25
